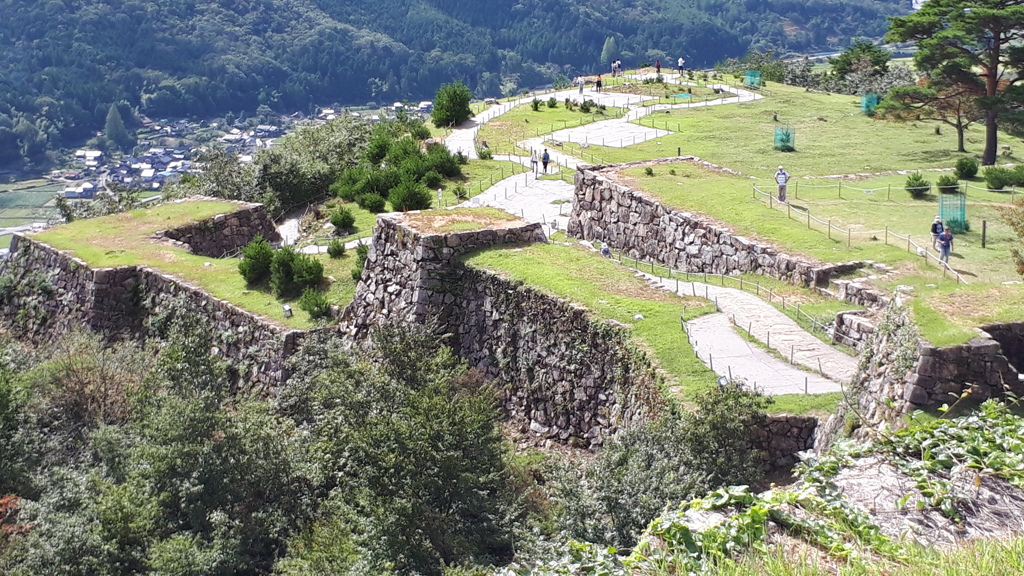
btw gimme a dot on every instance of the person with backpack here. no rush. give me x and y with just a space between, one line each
936 230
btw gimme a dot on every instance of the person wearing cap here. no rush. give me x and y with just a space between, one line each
782 178
936 230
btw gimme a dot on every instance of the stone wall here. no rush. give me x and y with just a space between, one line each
563 376
224 234
641 227
852 329
782 436
1010 336
49 292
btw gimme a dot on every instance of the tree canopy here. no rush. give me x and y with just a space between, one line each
973 46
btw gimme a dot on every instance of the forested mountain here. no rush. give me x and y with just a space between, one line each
63 62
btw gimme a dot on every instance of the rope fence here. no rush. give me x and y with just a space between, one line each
805 215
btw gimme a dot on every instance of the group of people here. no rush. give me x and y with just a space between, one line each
942 239
545 159
616 68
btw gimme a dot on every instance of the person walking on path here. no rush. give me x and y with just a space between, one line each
945 244
936 231
782 178
580 81
545 159
533 162
597 85
657 67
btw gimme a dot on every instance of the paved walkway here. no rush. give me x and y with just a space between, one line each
717 344
766 324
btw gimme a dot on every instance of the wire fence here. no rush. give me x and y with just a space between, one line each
840 187
835 232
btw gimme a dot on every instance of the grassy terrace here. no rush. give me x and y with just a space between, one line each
613 292
123 240
520 123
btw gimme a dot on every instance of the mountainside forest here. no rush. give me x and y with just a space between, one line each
64 62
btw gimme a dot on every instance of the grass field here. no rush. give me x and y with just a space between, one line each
611 291
832 137
122 240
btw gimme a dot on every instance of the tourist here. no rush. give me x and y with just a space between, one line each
782 178
597 85
945 244
681 63
936 230
545 159
581 82
657 67
533 162
605 250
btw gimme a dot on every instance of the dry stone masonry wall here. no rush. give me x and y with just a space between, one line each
641 227
46 292
224 234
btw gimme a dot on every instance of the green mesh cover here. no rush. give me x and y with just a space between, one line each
868 103
953 211
785 138
752 78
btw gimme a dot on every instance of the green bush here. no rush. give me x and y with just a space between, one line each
308 272
336 248
441 160
362 251
343 220
552 102
485 153
649 171
997 177
917 186
535 105
350 184
372 202
282 274
256 258
315 303
451 105
410 195
432 179
966 168
418 130
947 184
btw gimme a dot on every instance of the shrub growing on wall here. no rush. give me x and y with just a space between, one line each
256 258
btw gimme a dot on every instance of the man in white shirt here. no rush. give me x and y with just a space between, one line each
782 178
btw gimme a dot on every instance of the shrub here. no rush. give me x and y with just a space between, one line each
441 160
379 182
432 179
535 105
343 220
649 171
585 106
308 272
997 178
451 105
966 168
336 248
282 274
552 102
256 259
418 130
485 153
315 303
947 184
372 202
362 251
917 186
460 192
410 195
350 184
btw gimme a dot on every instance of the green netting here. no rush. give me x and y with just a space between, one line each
953 211
785 138
868 103
752 78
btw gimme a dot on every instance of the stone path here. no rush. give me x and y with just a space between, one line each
766 324
717 344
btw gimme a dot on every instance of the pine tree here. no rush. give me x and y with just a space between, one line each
610 51
115 130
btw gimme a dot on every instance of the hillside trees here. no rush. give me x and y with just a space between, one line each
115 130
971 46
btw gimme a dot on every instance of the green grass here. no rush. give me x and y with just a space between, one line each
122 240
610 291
478 176
806 404
983 557
521 123
740 137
